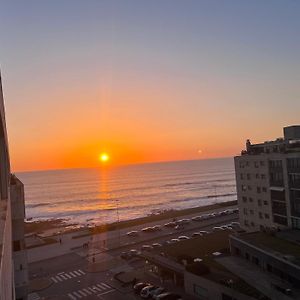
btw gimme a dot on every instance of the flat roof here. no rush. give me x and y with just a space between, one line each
277 245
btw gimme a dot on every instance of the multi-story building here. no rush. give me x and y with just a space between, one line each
13 259
268 183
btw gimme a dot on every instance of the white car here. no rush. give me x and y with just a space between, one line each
183 237
173 241
157 292
146 291
132 233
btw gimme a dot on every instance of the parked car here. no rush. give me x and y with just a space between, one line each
234 224
196 234
173 241
156 228
197 218
183 221
132 233
179 227
218 228
146 248
204 232
125 255
170 224
145 292
168 296
156 245
139 286
134 253
205 216
157 292
183 237
147 229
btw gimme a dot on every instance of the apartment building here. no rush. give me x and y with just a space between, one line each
268 183
13 258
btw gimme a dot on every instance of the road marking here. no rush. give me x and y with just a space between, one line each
72 274
91 289
68 276
77 273
106 285
77 295
80 271
58 278
72 297
82 293
104 293
63 276
87 291
100 286
53 279
97 289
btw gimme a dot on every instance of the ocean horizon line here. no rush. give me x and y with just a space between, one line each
120 165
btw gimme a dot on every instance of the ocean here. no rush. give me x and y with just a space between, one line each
105 195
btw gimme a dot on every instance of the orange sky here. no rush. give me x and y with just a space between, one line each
145 83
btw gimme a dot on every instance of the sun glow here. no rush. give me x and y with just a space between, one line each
104 157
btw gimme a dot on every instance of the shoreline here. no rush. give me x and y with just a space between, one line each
59 226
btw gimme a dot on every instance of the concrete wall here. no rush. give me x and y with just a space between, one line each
208 289
6 264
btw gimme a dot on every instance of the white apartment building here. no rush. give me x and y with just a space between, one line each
13 258
268 183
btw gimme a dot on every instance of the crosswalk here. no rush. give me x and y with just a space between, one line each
62 276
96 290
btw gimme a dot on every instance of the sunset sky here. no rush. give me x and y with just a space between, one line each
145 80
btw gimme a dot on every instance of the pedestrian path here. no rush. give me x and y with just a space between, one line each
96 290
62 276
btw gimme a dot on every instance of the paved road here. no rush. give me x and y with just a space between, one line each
68 272
103 240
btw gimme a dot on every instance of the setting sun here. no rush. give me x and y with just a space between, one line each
103 157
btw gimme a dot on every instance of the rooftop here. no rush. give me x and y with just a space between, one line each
278 245
288 144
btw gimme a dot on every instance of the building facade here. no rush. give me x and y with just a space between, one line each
268 183
13 260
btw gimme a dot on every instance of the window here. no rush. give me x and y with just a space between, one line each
249 187
200 291
244 188
267 216
256 175
264 189
244 199
256 164
248 176
263 176
17 245
251 212
280 220
260 215
246 223
259 202
250 199
242 176
262 163
266 202
252 224
258 189
245 211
